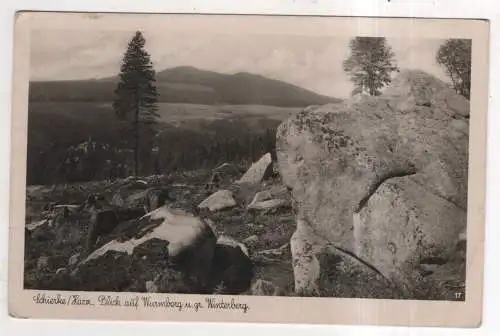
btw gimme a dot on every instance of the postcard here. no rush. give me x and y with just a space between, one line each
244 168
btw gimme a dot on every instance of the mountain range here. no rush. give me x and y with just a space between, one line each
186 84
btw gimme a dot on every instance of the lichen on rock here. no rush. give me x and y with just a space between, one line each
378 175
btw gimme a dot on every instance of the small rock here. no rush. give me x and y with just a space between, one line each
460 125
274 192
73 259
258 171
251 240
264 288
219 200
267 205
269 199
35 225
277 251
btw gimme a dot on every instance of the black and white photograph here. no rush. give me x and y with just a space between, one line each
224 162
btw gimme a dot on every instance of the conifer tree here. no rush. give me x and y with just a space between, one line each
136 96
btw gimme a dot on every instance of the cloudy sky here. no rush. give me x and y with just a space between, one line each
314 63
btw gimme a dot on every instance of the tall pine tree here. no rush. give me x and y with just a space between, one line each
136 96
370 64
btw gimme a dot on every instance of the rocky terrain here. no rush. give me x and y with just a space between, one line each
254 220
367 199
208 200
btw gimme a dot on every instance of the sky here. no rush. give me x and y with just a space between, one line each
314 63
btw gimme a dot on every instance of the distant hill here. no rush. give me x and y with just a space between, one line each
187 85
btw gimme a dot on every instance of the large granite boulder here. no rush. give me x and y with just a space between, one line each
383 178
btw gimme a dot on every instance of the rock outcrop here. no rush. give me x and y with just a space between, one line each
383 178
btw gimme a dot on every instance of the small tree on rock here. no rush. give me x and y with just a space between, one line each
454 56
370 64
136 96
